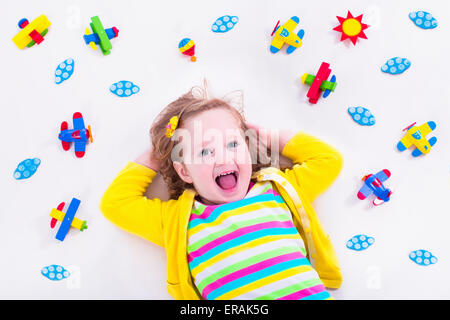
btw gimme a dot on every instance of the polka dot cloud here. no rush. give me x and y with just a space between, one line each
396 65
422 257
361 116
55 272
124 88
26 168
224 24
360 242
423 20
64 71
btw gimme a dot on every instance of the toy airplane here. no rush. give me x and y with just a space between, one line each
284 34
417 136
67 219
31 33
319 83
374 184
79 135
100 36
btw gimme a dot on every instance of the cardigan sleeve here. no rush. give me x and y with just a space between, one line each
316 164
125 204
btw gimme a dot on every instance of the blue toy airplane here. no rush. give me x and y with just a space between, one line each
285 34
79 135
374 184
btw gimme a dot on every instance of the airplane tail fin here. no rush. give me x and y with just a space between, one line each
384 198
377 202
327 92
86 39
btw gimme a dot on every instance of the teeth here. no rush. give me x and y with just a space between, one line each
224 174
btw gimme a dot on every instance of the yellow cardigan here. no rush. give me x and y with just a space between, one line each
316 166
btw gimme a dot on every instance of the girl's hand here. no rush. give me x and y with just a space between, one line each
147 160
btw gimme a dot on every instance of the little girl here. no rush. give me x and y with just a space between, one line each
232 229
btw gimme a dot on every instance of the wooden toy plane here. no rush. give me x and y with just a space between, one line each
79 135
67 219
100 36
417 136
285 34
374 184
31 33
319 83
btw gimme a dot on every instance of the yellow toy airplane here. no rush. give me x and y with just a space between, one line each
417 136
285 34
31 33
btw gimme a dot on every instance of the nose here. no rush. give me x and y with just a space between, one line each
224 156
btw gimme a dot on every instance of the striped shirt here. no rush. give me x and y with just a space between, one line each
250 249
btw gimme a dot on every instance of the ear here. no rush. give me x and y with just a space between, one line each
182 171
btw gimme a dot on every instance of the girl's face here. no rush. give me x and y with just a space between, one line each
215 156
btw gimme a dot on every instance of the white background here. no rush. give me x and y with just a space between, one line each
108 263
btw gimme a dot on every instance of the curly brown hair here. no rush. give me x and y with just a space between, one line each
188 105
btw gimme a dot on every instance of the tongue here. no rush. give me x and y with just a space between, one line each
227 182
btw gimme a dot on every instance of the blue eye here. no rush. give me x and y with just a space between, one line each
205 152
233 144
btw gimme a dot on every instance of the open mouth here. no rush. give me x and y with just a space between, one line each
228 180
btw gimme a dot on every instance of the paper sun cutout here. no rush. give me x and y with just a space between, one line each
351 28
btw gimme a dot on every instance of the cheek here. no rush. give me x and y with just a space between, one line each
201 172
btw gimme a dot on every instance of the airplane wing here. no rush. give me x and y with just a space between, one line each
328 86
78 122
80 148
364 192
291 23
383 175
276 44
322 75
426 128
67 221
404 143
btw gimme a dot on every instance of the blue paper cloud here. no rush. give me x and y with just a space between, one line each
55 272
26 168
396 65
423 19
224 24
360 242
124 88
423 257
361 116
64 71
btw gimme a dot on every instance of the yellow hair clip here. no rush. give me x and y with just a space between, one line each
171 126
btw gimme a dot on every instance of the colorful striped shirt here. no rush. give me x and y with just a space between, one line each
250 249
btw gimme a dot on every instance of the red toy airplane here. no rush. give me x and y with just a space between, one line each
319 83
